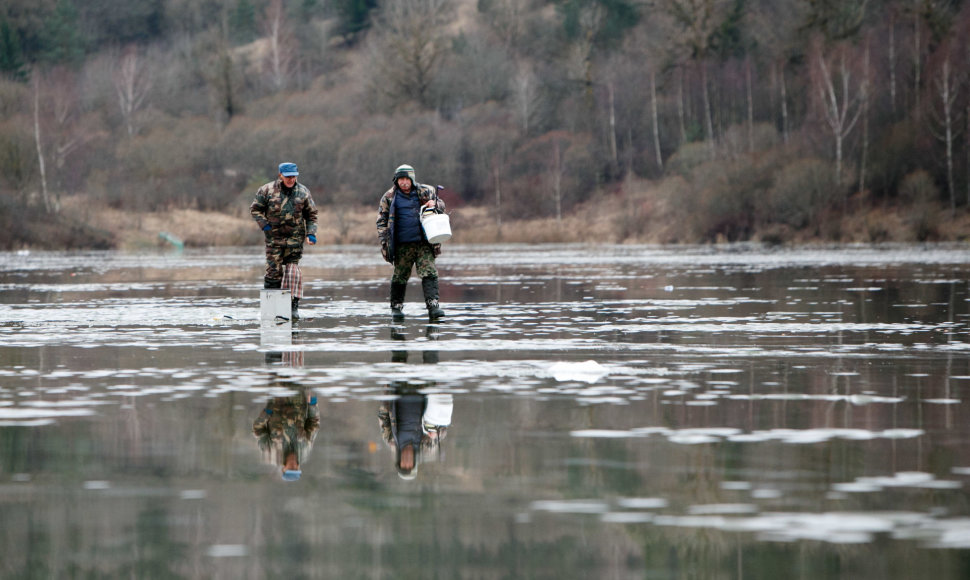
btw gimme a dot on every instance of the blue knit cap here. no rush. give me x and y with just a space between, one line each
292 474
288 170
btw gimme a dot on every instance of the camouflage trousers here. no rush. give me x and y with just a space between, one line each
279 256
417 255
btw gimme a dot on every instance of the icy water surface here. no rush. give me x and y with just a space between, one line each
590 412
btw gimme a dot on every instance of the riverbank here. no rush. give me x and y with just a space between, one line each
648 216
636 217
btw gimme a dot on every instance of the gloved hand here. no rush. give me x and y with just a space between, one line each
312 238
267 228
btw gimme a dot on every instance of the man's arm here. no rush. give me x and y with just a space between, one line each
431 192
258 209
310 217
383 213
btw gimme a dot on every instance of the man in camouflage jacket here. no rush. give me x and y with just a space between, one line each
285 211
285 430
403 242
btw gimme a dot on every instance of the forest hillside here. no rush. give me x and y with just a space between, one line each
565 120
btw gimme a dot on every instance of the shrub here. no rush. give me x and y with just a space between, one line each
802 190
689 157
919 189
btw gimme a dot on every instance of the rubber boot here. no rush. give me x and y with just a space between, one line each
397 300
271 284
294 309
430 287
430 357
398 355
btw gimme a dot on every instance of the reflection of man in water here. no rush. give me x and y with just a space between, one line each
285 431
413 423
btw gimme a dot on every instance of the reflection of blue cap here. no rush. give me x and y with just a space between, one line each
292 474
288 170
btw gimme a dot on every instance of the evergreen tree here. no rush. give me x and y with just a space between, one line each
242 21
12 61
61 39
353 16
609 19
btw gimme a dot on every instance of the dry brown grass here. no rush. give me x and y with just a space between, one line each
637 212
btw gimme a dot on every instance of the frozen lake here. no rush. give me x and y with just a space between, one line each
608 412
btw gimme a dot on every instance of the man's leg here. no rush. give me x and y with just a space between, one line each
274 267
293 279
403 263
425 267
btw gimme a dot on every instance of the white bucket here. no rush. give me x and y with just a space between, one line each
437 227
274 307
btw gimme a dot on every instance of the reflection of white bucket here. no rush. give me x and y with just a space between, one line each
437 227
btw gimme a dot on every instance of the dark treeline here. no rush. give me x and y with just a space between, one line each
761 113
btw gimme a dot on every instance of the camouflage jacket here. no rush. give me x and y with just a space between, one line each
291 217
287 424
385 217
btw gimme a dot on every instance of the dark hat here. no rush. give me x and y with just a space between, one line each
288 170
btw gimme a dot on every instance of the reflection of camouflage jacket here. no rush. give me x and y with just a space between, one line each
292 217
385 217
287 424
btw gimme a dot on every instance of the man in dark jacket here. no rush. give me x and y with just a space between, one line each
285 211
403 242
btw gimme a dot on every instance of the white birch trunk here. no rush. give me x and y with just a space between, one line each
784 105
892 63
750 95
656 124
40 152
613 148
708 121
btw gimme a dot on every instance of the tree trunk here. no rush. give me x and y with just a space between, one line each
557 179
838 104
892 63
498 200
680 107
613 150
708 121
948 100
40 152
784 104
916 58
750 95
656 124
865 121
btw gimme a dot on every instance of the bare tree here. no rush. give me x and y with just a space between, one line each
692 25
68 127
557 168
581 61
839 99
506 18
45 197
409 48
133 82
655 119
525 96
775 22
866 98
281 53
892 61
945 116
917 54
